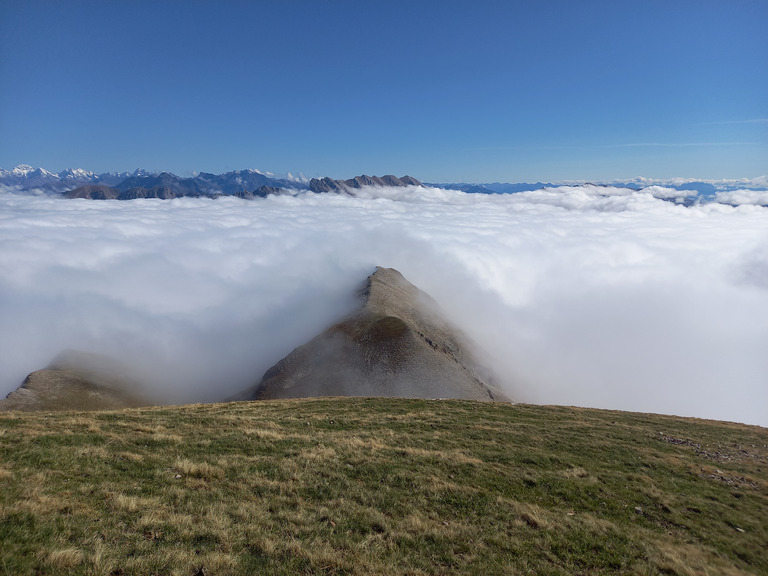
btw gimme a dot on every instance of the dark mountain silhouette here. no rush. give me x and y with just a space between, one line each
234 183
94 192
247 184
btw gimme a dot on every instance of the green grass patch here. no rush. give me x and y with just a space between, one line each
380 486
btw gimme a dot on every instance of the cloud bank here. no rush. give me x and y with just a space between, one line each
581 295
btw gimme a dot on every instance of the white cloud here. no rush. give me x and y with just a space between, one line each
301 179
739 197
588 295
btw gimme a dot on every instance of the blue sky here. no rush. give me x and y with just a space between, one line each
444 91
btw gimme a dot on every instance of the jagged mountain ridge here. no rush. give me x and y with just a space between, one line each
27 178
165 185
78 183
142 184
330 185
243 184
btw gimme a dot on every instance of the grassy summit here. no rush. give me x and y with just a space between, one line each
380 486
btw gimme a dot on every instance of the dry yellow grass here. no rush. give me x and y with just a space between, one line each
64 559
359 486
203 470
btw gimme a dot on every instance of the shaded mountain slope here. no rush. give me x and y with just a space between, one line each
331 185
165 186
94 192
395 345
75 381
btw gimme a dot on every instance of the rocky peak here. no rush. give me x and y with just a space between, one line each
397 344
348 186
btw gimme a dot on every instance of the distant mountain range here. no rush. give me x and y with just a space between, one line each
27 178
696 187
253 183
142 184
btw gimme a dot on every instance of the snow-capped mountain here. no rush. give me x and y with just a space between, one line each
76 174
26 178
27 171
79 183
250 183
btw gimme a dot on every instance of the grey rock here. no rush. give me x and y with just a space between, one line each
94 192
396 345
330 185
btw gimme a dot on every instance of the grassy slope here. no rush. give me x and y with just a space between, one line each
375 486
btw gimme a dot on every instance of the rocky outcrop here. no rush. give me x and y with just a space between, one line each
396 345
331 185
264 191
103 192
76 381
160 192
94 192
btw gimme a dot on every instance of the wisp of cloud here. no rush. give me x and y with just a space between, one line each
581 295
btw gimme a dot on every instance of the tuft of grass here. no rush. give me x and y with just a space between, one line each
380 486
64 559
203 470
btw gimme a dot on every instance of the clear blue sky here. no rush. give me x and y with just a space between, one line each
445 91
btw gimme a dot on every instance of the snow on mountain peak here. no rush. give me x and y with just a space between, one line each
22 170
76 173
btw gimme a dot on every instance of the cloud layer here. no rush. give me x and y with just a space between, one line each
576 295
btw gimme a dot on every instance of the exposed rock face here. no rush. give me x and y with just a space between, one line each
264 191
103 192
94 192
395 345
75 381
331 185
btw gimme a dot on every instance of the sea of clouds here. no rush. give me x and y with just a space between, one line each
581 295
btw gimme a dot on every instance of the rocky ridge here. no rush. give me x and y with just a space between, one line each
165 185
330 185
397 344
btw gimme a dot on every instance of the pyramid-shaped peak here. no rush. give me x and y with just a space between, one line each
396 344
387 292
384 282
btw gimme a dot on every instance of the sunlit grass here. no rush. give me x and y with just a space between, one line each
380 486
